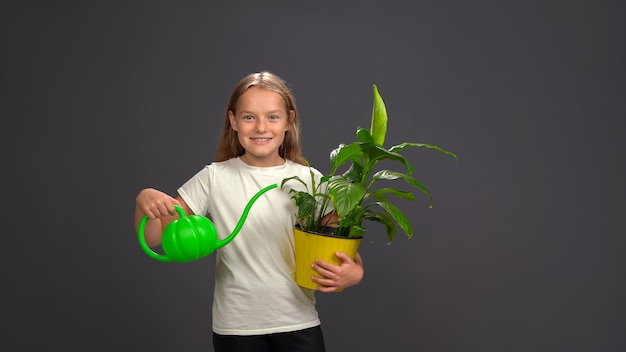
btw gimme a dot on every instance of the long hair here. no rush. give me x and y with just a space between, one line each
229 146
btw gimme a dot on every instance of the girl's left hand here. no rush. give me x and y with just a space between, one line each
338 277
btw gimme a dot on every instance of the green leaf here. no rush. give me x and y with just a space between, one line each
307 205
282 184
387 221
344 153
399 217
344 195
376 153
393 175
422 145
378 126
355 172
363 135
379 194
350 225
356 231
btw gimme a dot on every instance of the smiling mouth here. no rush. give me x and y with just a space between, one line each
261 139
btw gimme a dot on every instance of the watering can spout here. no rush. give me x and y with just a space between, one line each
244 215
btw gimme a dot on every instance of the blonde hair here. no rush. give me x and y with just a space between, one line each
229 146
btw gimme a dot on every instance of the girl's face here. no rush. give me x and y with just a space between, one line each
261 121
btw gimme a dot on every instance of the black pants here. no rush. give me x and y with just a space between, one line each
307 340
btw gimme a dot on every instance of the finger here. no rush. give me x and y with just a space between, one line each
150 215
343 257
163 210
328 289
323 271
326 265
171 206
332 287
325 285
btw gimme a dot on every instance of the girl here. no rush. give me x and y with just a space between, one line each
257 306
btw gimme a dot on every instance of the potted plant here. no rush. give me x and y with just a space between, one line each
353 195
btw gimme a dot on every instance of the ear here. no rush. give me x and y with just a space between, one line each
231 118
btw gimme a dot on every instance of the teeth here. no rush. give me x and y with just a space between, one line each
261 139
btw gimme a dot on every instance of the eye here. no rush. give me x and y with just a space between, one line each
247 117
274 117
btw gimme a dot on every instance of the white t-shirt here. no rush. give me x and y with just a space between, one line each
255 292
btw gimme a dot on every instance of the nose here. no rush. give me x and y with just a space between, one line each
261 125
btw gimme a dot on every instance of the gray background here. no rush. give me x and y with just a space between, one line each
522 251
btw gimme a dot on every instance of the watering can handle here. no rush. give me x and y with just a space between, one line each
142 239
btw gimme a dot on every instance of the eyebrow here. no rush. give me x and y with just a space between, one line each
252 113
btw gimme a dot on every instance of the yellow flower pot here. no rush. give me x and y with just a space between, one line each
311 246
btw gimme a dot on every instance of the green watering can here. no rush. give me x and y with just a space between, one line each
191 237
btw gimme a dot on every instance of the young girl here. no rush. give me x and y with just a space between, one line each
257 306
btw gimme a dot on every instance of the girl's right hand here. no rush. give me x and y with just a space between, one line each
155 204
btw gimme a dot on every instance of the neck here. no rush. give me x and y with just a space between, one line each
262 162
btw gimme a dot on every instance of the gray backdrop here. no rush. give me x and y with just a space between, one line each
522 251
